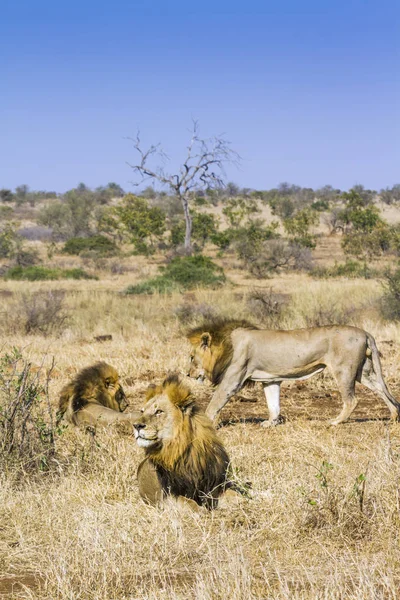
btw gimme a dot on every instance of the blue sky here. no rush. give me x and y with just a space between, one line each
307 92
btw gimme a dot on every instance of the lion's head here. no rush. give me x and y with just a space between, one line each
97 384
181 443
212 348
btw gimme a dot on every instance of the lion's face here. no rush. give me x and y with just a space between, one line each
112 391
203 357
159 422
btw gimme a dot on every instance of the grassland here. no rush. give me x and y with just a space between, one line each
323 520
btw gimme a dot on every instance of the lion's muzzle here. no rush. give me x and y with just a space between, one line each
140 436
121 399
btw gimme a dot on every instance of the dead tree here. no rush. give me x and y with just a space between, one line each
203 168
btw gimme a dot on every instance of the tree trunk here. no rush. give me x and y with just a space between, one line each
188 221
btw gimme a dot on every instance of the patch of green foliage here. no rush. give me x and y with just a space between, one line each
320 205
182 273
204 227
97 243
142 223
298 228
350 268
391 297
39 273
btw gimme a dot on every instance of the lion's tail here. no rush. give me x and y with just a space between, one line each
378 382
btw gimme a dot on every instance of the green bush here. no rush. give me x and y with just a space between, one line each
350 269
320 205
38 273
391 297
27 427
182 273
158 285
98 243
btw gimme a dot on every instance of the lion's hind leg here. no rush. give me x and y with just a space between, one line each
371 381
230 499
346 380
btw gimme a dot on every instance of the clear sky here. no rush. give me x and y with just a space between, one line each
307 91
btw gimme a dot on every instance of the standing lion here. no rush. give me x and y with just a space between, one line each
231 353
95 397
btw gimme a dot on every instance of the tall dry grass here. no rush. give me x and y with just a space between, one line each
324 517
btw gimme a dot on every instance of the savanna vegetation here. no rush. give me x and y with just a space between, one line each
102 274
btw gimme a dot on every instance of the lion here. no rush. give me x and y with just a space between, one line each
95 397
184 456
231 353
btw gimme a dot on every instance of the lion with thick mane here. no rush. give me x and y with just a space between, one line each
95 397
184 456
233 352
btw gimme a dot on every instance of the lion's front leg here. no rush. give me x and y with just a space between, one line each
150 485
231 383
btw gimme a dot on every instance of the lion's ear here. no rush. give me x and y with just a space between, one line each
151 391
188 406
206 339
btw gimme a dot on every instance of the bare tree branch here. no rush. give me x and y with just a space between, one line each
203 168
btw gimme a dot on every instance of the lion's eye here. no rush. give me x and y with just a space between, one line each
159 412
142 410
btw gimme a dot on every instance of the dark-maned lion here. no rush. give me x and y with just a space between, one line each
95 397
184 457
231 353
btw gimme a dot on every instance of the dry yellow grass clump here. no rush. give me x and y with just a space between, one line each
323 517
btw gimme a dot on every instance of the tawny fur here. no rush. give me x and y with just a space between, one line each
221 332
193 463
231 353
95 392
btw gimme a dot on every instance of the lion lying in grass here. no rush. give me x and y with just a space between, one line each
184 457
231 353
95 397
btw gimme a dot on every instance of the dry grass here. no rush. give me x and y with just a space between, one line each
324 518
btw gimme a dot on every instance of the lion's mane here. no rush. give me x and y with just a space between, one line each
221 332
194 463
90 386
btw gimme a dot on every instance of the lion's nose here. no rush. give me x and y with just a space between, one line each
139 426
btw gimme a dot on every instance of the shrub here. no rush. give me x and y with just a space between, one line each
388 195
27 429
276 254
391 297
97 243
42 313
39 273
381 240
188 313
6 195
143 224
157 285
6 212
350 269
267 306
183 273
298 227
329 313
10 241
320 205
282 206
